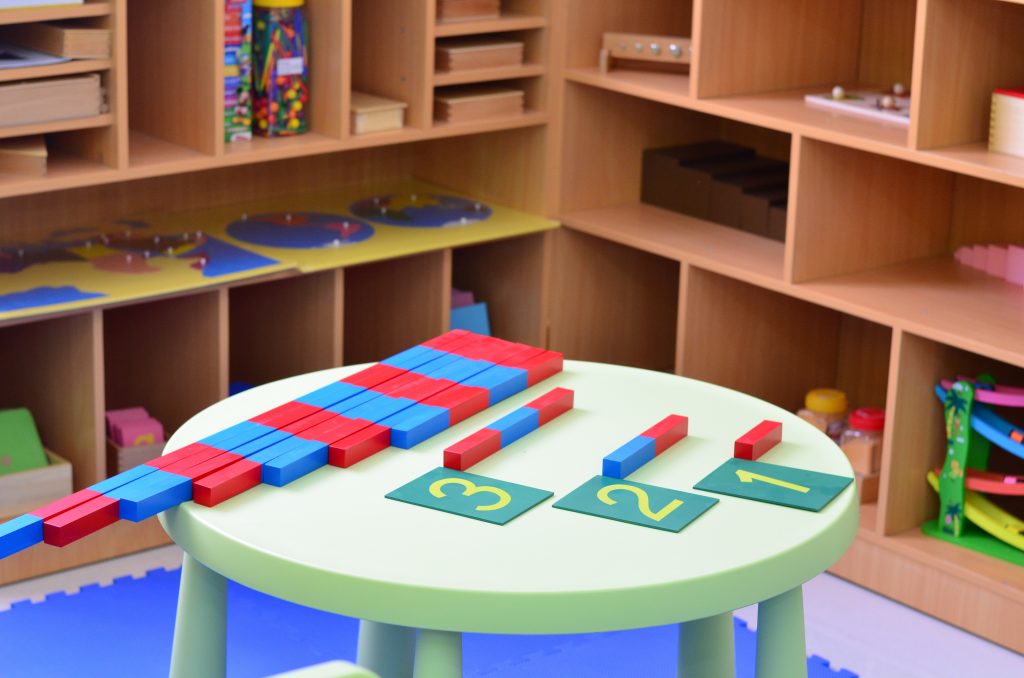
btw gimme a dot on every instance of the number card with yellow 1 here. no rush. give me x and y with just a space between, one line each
774 484
636 503
470 495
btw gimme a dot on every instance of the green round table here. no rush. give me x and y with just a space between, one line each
418 578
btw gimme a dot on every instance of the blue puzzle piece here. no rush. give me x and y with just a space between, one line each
380 409
628 458
20 533
500 382
260 444
412 426
331 394
414 357
114 482
307 456
151 494
516 424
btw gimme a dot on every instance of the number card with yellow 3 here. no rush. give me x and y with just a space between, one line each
636 503
470 495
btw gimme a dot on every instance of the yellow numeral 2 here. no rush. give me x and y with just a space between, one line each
469 489
643 502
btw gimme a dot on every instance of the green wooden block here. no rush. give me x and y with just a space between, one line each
20 447
774 484
636 503
470 495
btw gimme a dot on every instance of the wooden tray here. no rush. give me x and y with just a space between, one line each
459 104
372 113
26 490
465 55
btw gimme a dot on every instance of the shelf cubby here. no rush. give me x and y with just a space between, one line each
90 8
285 327
776 347
970 47
55 369
614 303
515 15
509 276
168 356
394 304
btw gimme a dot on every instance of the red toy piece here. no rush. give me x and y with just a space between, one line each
65 504
80 521
221 485
358 446
542 366
286 414
179 454
180 466
462 402
472 449
207 467
374 375
758 440
553 403
668 432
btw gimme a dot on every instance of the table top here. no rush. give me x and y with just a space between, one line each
331 540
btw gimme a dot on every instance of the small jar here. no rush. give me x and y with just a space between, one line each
826 408
280 78
862 440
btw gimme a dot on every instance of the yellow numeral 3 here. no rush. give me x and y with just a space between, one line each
643 502
469 488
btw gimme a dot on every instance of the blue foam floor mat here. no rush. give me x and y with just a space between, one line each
126 629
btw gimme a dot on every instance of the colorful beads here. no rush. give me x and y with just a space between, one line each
282 71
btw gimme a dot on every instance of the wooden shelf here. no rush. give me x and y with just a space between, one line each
975 160
442 78
67 68
54 13
665 88
936 298
711 246
507 22
103 120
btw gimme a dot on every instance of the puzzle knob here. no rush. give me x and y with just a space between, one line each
638 46
655 49
675 50
838 92
899 89
888 102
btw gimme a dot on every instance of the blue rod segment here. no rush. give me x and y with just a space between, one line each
114 482
261 444
380 408
331 394
20 533
307 456
151 494
516 424
276 450
629 457
413 358
500 382
461 369
415 424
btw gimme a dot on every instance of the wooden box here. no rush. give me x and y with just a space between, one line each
120 459
468 9
460 104
727 193
26 490
474 53
661 173
372 113
756 209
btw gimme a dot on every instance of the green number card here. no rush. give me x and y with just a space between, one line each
636 503
774 484
470 495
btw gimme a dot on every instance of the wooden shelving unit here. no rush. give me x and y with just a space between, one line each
864 293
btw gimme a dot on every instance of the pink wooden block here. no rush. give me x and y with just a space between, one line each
138 432
996 264
1015 265
127 414
980 260
461 298
963 254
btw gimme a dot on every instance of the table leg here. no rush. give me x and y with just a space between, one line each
781 649
707 647
386 649
438 654
200 629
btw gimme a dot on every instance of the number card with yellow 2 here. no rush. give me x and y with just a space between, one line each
636 503
470 495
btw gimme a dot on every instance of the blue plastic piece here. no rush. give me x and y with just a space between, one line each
308 456
237 387
260 444
379 409
149 495
500 381
114 482
516 424
20 533
991 426
412 426
332 394
629 457
414 357
472 318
